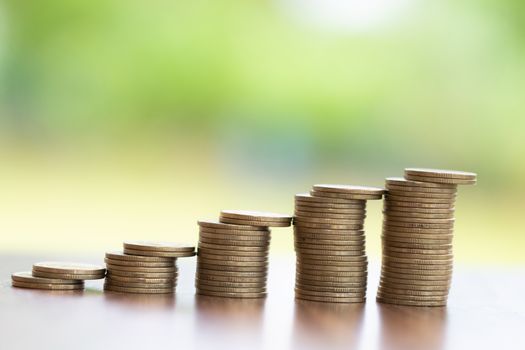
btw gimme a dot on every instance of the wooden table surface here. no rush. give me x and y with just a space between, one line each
486 311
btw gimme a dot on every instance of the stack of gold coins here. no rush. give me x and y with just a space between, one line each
417 236
330 243
232 259
58 276
145 267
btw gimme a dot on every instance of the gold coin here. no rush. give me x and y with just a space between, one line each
139 263
429 252
232 279
349 189
116 283
329 202
413 297
414 194
230 295
388 227
261 234
69 268
412 220
231 247
405 214
259 264
413 204
411 292
166 254
205 264
48 286
213 224
328 299
223 284
440 180
113 288
233 242
302 240
331 211
157 246
422 262
402 225
238 237
236 274
387 237
350 268
256 216
417 256
233 258
171 280
136 274
312 238
358 293
333 279
327 226
439 173
389 206
400 181
300 219
333 286
333 252
323 231
66 276
308 272
409 285
29 278
337 195
355 247
414 282
403 269
348 258
394 301
125 257
416 245
340 290
419 189
301 260
200 286
229 220
170 269
397 198
311 214
429 236
416 277
262 253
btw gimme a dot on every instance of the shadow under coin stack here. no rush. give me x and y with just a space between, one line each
58 276
417 236
145 267
330 243
232 259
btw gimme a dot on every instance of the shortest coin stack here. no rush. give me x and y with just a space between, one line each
58 276
27 280
145 267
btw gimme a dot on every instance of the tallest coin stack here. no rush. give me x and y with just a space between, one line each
417 236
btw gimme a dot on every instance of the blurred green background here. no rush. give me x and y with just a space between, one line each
132 119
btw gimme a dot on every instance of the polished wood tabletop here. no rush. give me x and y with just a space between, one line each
486 311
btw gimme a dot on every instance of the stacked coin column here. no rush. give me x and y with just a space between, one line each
145 267
232 259
330 243
417 237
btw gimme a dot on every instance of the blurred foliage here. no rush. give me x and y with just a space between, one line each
439 83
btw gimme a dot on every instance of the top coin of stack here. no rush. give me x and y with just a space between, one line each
330 243
232 259
417 236
58 276
145 267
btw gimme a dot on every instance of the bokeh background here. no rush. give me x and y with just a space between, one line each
132 119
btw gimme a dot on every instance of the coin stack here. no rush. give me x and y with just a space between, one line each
145 267
329 240
417 236
57 276
232 259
